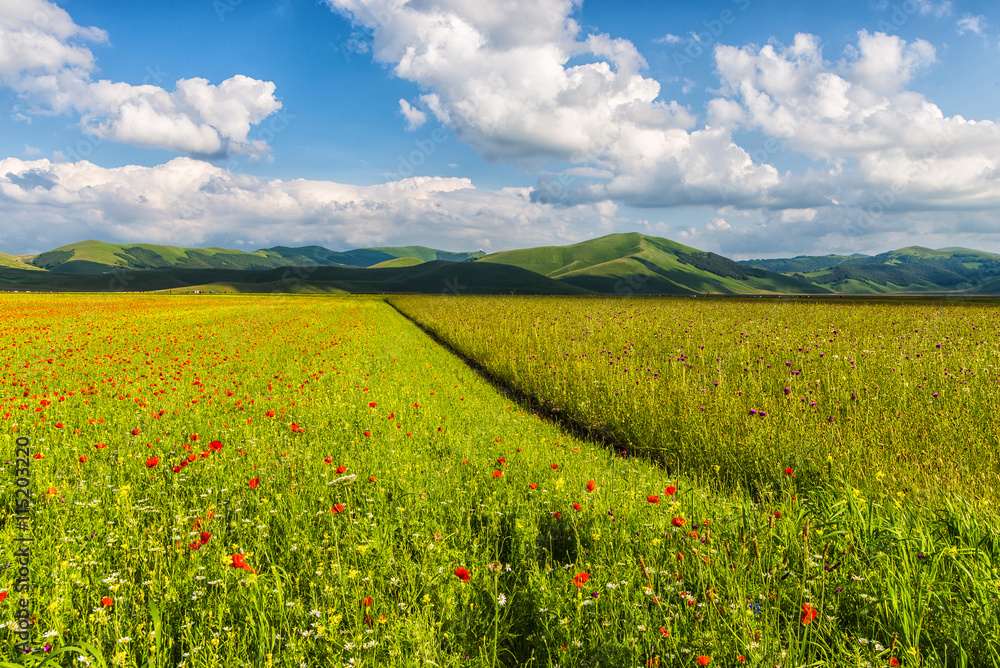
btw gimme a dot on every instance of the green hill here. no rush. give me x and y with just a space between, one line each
363 257
801 263
637 264
14 262
397 262
435 277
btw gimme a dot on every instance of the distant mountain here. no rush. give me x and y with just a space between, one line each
633 263
99 257
913 269
616 264
363 257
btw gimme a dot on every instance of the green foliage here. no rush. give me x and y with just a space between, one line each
51 259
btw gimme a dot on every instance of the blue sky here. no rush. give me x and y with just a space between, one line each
753 128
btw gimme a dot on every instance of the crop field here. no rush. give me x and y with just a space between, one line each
314 481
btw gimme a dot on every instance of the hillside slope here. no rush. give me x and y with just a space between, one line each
633 263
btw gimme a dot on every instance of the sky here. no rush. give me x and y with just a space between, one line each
751 128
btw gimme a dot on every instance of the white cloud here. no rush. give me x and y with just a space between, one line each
718 225
193 203
669 38
798 215
858 115
31 151
499 75
414 117
970 23
935 9
45 61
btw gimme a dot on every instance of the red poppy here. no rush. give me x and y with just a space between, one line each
741 659
205 537
558 516
367 433
590 486
239 561
328 460
576 506
670 490
269 414
152 461
341 469
893 661
83 459
176 469
533 485
580 579
107 601
371 478
554 467
195 545
39 455
254 482
678 521
653 499
215 445
371 404
664 632
789 471
497 474
100 446
367 601
501 461
680 556
136 432
462 574
777 514
3 595
704 660
808 613
59 425
297 429
194 437
339 508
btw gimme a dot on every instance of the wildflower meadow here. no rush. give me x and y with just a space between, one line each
262 480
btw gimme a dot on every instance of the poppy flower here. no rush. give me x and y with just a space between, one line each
462 574
367 601
215 446
205 537
670 490
3 595
558 516
704 660
554 467
136 432
269 414
576 506
367 433
580 579
339 508
789 471
777 514
176 469
371 478
497 474
893 661
371 404
533 485
678 521
83 459
239 561
107 601
741 658
501 461
590 486
254 482
152 461
328 460
39 455
195 545
341 469
653 499
808 613
680 556
100 446
664 633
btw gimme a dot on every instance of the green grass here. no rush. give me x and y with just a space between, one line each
398 262
888 576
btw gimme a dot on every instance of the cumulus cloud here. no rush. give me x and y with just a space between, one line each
519 81
859 116
45 60
189 202
414 117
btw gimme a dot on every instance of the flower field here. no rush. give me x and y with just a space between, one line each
312 481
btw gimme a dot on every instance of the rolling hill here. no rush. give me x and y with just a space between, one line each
616 264
98 257
913 269
633 263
